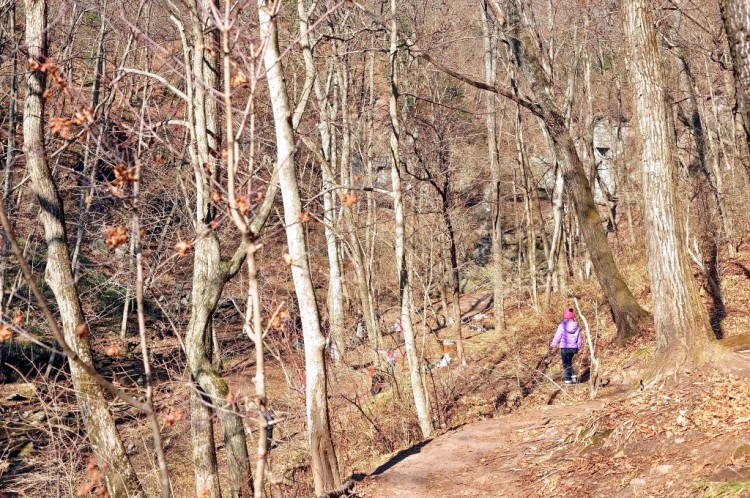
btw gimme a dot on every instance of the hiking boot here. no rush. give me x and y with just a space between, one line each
575 379
569 381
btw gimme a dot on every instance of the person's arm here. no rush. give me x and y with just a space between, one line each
580 339
558 336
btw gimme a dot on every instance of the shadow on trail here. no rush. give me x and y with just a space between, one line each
401 456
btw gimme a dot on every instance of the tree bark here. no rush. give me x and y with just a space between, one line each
736 17
120 479
683 332
693 120
10 155
421 399
210 273
496 228
324 462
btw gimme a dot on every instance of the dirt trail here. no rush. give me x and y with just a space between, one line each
490 458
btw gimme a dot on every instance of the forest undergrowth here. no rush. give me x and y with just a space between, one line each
685 437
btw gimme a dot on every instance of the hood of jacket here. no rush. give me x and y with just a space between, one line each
570 326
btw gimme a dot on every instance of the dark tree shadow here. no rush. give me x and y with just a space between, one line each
585 376
400 456
718 309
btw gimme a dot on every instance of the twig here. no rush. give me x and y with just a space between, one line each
594 377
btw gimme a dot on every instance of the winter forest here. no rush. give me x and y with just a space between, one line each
420 248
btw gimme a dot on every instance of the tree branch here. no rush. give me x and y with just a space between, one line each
160 79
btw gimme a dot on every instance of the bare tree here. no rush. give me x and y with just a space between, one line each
736 16
119 475
683 332
628 314
489 33
324 462
421 399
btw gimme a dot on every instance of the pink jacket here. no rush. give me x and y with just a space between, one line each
568 335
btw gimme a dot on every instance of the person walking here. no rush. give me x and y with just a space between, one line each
568 338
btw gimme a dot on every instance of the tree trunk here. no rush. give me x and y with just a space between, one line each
628 314
693 120
421 400
324 463
210 274
10 155
496 228
108 450
683 332
526 185
736 16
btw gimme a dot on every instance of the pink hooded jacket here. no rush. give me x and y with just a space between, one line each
568 335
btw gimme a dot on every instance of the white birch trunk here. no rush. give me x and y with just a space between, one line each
120 479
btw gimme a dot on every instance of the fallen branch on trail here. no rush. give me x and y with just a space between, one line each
342 491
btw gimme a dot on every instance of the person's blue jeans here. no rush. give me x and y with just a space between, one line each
567 360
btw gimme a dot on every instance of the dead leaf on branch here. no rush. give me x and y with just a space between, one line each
116 236
239 79
349 199
95 481
82 331
173 417
182 247
18 319
62 127
242 206
5 332
123 175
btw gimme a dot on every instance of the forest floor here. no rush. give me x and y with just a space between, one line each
505 426
684 439
687 440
